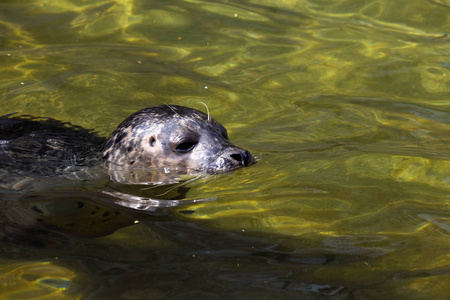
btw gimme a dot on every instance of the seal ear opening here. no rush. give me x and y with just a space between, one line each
152 141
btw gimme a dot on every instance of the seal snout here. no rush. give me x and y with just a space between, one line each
244 157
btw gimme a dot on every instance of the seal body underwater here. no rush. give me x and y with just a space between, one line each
43 161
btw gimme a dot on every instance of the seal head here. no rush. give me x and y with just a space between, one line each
174 138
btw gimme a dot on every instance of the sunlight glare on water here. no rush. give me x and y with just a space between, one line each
345 104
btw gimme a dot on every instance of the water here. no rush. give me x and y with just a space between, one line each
345 104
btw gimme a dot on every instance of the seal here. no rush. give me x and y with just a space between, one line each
164 139
43 162
174 137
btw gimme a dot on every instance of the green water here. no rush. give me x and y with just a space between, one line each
345 104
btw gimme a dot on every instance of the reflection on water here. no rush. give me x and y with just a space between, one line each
35 280
345 104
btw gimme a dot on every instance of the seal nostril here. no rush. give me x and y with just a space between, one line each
243 157
247 157
237 156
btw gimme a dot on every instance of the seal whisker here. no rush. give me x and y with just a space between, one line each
171 108
207 110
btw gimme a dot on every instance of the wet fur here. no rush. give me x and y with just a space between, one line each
147 139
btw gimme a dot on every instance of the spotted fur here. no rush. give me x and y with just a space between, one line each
151 138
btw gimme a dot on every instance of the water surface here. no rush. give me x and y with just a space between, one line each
345 104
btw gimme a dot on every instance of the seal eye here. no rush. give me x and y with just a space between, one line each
185 147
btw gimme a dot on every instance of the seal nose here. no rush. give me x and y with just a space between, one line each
244 157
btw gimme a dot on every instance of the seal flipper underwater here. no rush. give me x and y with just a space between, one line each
36 154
